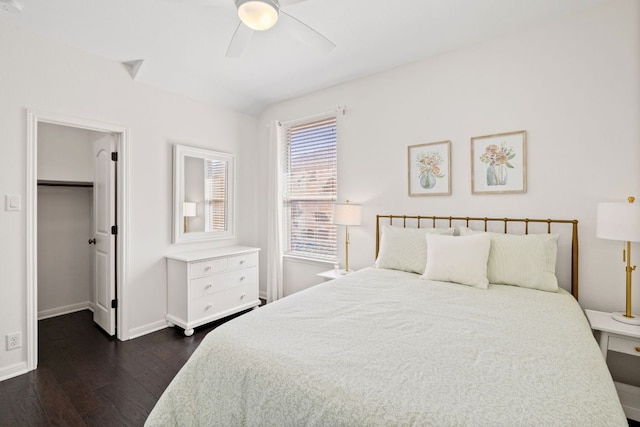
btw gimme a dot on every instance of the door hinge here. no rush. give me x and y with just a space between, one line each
114 303
114 156
114 229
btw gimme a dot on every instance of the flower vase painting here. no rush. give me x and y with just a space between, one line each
498 163
430 169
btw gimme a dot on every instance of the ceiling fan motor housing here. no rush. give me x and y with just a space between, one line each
258 15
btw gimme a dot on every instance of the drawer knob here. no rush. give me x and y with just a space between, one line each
208 286
241 261
242 296
638 349
207 268
208 307
242 278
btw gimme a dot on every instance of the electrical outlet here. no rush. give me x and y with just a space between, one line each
14 340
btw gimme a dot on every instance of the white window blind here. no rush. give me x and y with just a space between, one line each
310 189
215 185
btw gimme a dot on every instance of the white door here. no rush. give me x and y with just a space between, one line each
104 218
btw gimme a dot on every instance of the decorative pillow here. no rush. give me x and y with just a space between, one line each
528 261
405 248
458 259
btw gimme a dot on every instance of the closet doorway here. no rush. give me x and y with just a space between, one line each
76 210
75 232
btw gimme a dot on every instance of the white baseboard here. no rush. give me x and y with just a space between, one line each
630 399
13 371
147 329
58 311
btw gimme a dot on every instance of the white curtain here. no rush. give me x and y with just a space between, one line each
275 288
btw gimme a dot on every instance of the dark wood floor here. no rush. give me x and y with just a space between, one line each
87 378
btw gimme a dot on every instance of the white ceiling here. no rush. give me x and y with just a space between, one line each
183 42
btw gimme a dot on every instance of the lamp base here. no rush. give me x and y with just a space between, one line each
620 317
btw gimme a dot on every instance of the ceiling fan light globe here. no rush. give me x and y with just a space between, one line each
258 15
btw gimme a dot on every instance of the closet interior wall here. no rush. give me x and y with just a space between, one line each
65 216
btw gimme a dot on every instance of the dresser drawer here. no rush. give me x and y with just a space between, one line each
207 267
219 302
219 282
622 345
242 261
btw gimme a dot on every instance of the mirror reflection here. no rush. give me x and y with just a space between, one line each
205 185
203 196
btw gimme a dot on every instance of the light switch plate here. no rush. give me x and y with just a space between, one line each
12 202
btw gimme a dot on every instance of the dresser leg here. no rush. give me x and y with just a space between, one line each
170 324
188 332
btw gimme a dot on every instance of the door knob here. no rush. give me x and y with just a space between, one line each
92 241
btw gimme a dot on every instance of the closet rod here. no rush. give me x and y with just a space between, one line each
65 184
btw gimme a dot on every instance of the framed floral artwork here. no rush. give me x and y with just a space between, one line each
499 163
430 169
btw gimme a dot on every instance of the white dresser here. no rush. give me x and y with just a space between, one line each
206 285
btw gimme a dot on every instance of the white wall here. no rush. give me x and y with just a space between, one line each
46 76
572 85
64 254
64 153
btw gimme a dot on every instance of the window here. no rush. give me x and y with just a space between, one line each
310 189
215 186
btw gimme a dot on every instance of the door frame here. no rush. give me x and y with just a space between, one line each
122 216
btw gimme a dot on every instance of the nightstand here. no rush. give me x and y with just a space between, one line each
332 274
623 338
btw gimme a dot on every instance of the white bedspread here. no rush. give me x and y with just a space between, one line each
382 347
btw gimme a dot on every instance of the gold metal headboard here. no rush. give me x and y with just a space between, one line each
401 220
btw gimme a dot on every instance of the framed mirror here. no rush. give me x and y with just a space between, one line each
203 194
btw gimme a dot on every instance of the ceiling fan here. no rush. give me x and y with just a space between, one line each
261 15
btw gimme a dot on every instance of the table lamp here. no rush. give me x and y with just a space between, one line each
188 211
621 221
347 215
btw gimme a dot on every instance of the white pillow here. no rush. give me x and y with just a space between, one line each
405 248
528 261
458 259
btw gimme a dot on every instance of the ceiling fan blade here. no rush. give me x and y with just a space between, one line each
239 41
287 3
305 33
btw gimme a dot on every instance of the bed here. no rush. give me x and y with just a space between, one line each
387 346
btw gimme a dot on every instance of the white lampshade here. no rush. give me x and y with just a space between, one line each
189 209
258 15
346 214
619 221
